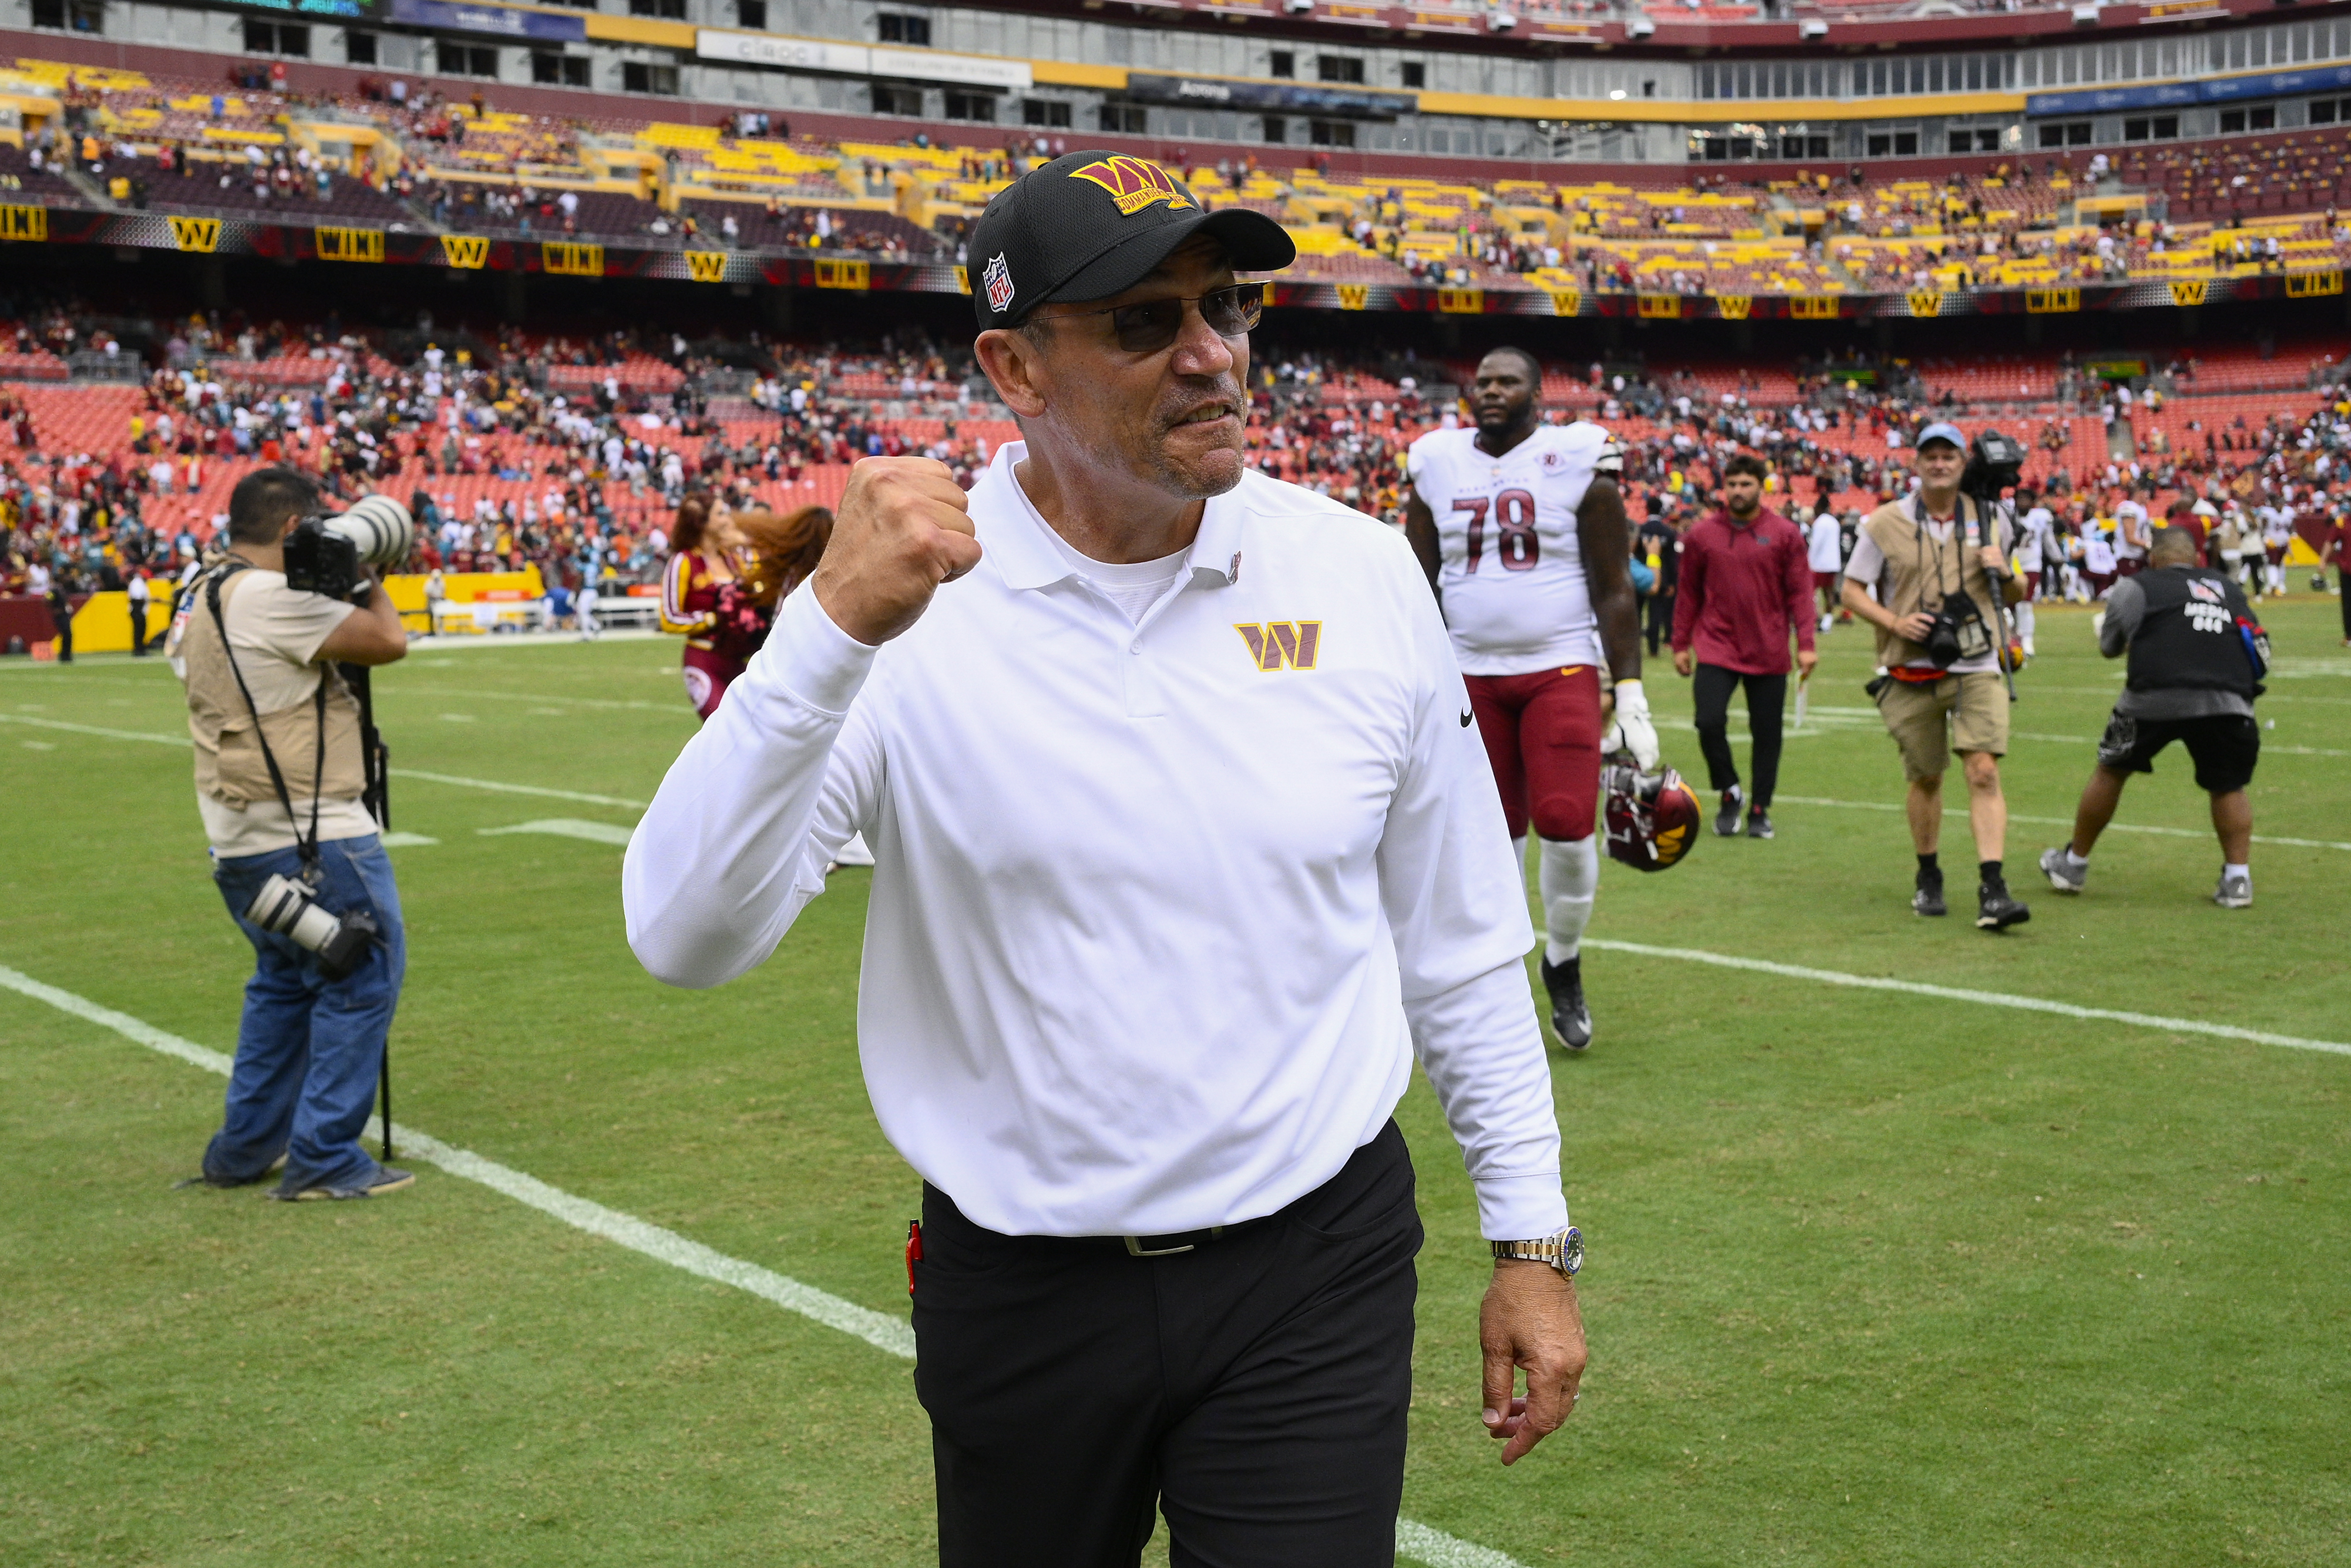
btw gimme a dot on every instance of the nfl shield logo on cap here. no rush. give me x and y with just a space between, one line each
997 281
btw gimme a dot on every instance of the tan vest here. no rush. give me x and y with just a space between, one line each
1915 565
229 764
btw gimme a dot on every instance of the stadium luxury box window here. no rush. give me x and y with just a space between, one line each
642 75
972 105
892 99
1126 119
2075 134
752 14
464 60
1415 74
668 10
277 38
559 70
70 15
359 48
897 28
1047 112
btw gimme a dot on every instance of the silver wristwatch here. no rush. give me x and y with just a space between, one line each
1563 1249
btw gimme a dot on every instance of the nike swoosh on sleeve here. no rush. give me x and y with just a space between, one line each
1466 717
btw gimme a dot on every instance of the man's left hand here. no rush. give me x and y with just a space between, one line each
1529 1319
1807 660
1632 730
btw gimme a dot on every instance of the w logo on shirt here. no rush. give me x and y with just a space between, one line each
1277 643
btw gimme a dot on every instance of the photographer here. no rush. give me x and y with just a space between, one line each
281 772
2197 659
1929 572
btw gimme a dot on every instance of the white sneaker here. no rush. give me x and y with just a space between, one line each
2235 892
1827 621
853 852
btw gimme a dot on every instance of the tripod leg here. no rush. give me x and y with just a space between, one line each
383 1097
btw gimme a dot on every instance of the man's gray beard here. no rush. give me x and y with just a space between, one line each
1183 486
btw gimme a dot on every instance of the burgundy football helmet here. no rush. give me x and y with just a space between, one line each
1651 818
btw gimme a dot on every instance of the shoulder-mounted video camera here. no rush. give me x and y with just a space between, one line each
324 554
1995 464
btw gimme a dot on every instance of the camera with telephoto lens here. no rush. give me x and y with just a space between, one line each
341 941
324 554
1995 464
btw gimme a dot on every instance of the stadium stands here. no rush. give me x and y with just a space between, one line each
2233 207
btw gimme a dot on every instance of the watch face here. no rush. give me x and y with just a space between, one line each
1571 1247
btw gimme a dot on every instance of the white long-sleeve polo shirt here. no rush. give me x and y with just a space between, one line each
1160 909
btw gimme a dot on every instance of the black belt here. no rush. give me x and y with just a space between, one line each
1175 1241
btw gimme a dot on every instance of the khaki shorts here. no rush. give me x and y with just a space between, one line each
1958 713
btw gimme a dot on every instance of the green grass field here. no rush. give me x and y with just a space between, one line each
1875 1278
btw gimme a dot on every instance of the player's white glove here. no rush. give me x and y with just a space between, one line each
1633 731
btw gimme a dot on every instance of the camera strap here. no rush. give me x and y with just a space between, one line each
307 847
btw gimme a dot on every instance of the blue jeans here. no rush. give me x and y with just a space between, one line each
309 1050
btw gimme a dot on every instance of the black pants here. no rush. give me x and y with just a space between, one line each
1253 1389
137 629
1767 697
1657 614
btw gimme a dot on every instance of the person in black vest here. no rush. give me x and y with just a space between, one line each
61 615
2196 657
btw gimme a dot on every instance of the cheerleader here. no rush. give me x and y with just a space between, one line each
702 599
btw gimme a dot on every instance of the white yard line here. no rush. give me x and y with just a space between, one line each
404 689
2065 823
503 789
158 738
566 828
1956 994
879 1330
103 734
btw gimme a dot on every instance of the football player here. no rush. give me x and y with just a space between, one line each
1521 528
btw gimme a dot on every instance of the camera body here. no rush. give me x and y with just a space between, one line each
324 554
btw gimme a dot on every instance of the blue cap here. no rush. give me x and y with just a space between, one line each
1942 429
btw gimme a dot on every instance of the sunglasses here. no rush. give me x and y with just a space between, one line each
1150 326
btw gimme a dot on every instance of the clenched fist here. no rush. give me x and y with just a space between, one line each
902 527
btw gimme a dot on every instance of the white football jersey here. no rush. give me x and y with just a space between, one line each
1513 570
2034 539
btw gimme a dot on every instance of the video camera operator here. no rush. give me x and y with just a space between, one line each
282 773
1929 571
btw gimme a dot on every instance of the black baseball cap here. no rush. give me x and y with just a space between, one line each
1091 225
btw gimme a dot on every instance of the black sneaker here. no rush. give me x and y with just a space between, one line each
1569 1019
1996 910
209 1179
372 1184
1726 820
1928 899
1759 823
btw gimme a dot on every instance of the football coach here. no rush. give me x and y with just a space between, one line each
1184 847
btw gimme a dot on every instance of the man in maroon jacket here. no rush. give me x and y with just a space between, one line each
1745 582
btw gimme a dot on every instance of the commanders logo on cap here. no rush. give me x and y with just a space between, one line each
997 281
1133 184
